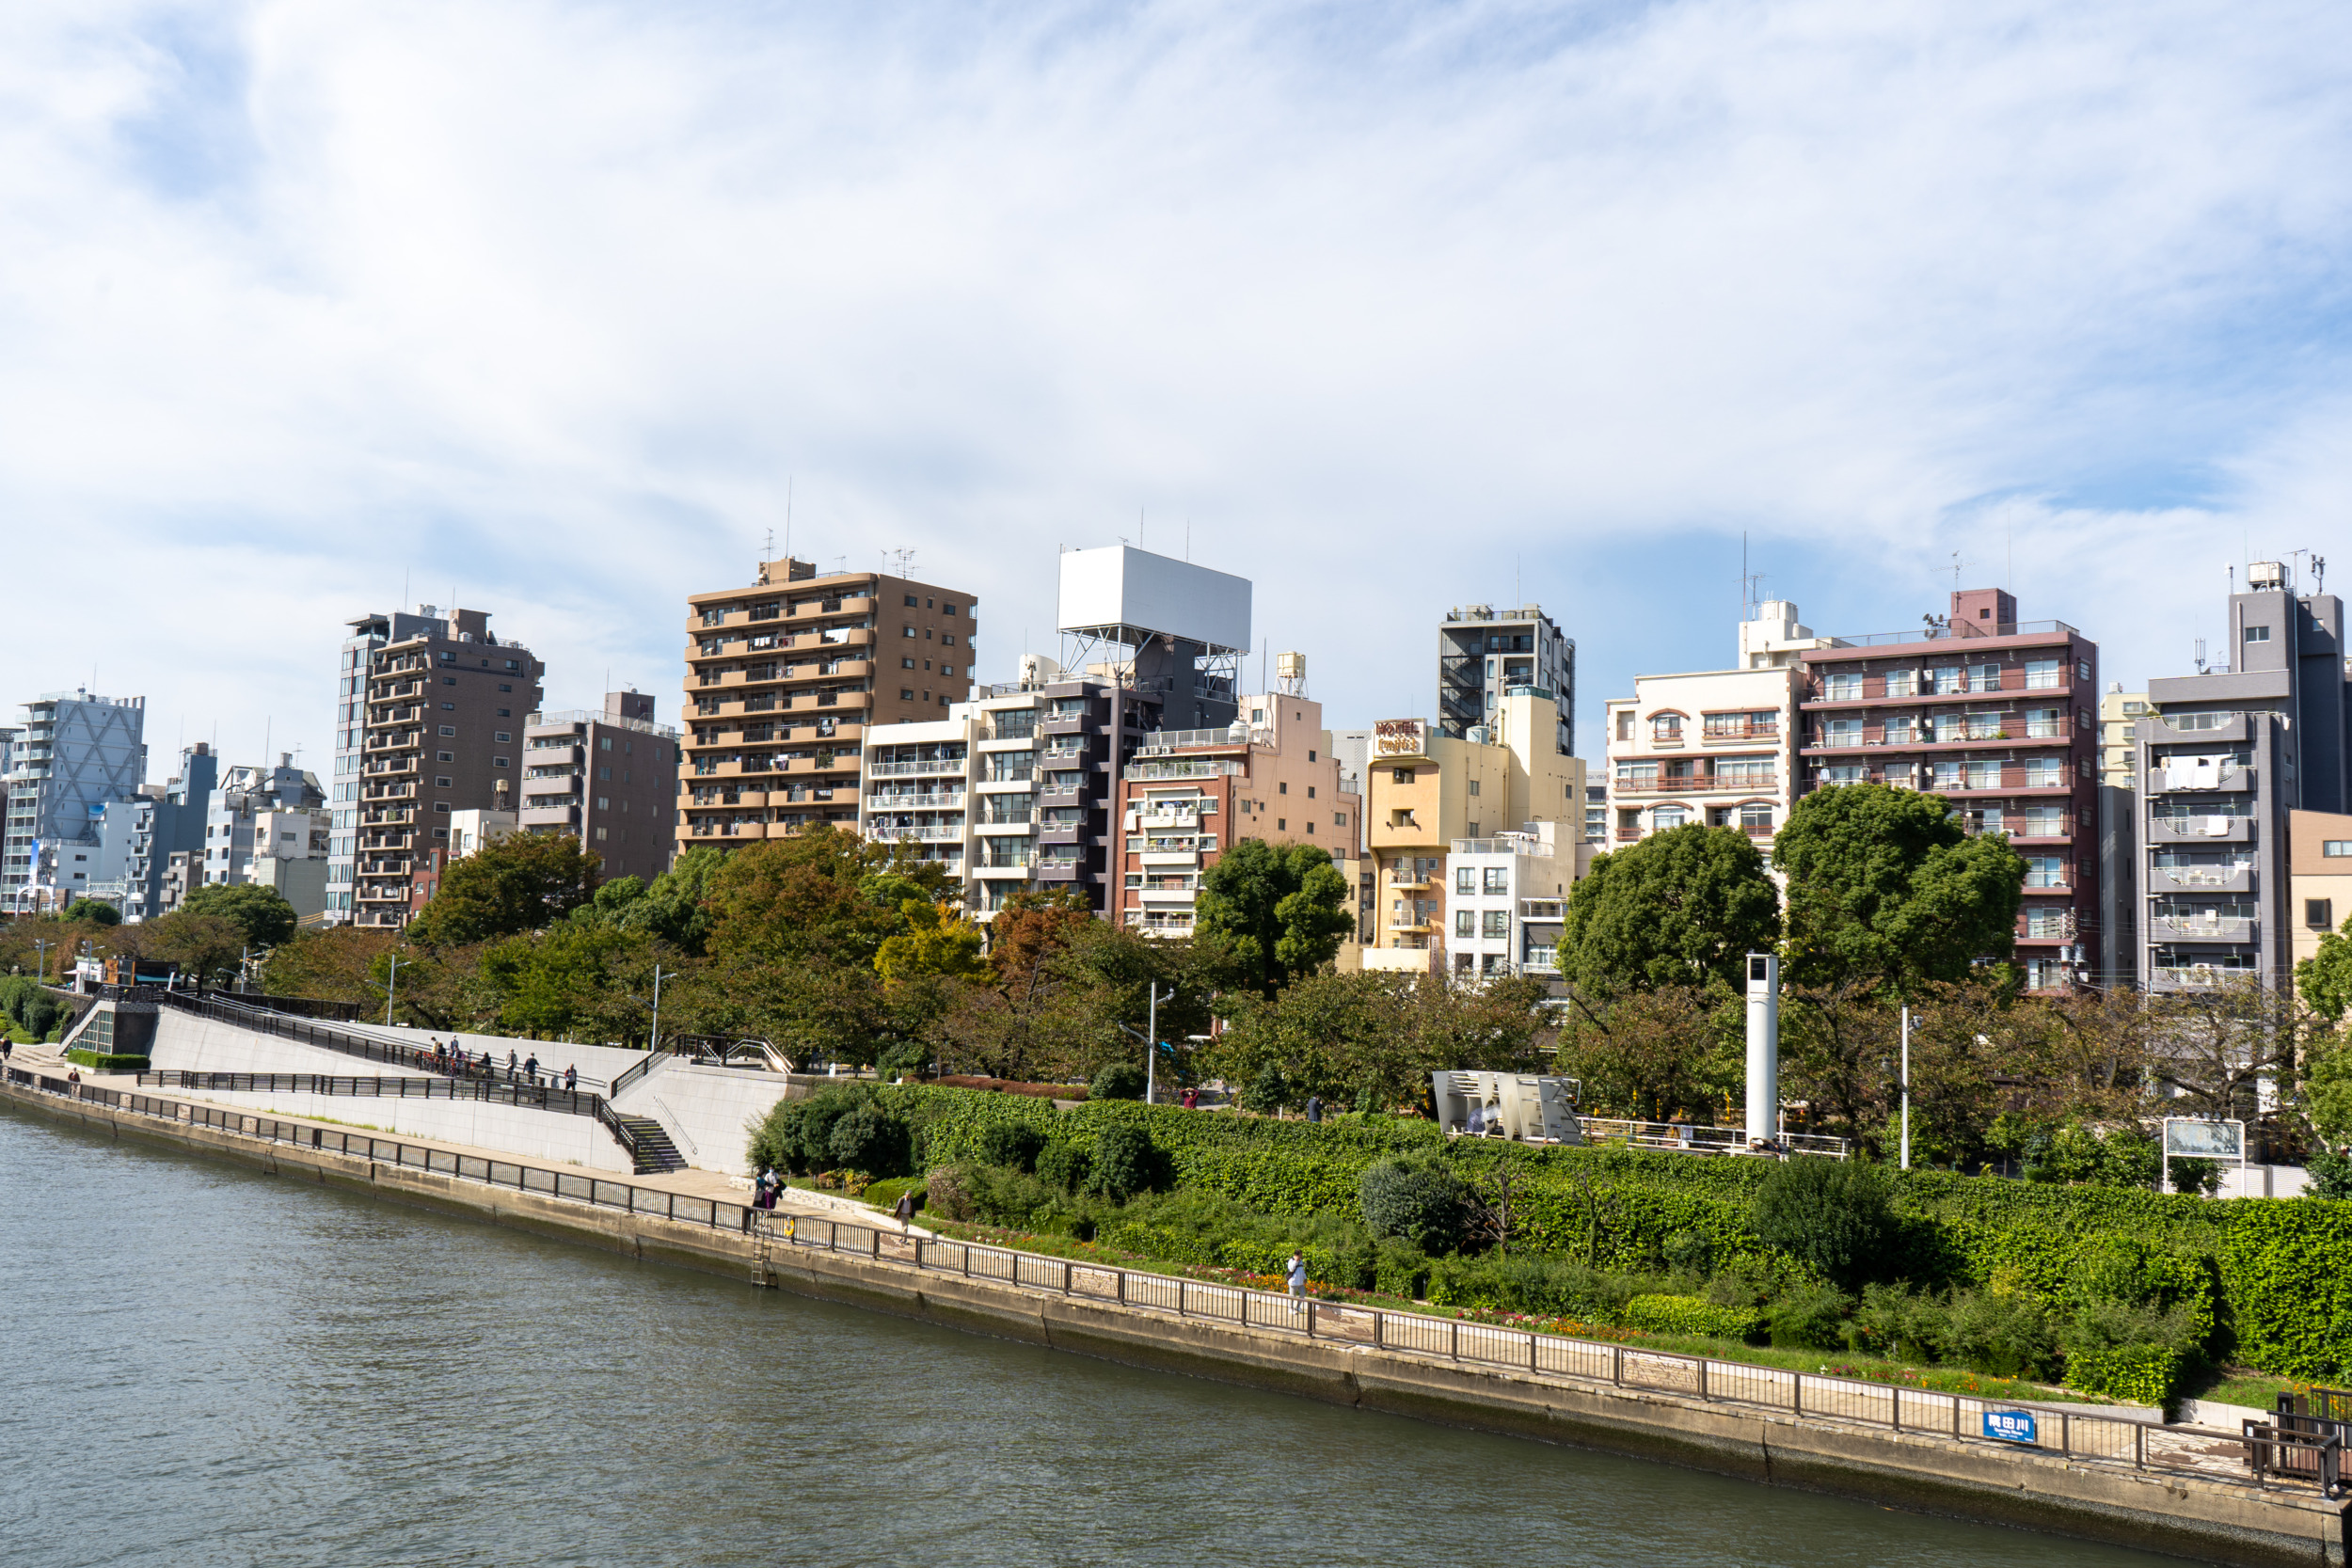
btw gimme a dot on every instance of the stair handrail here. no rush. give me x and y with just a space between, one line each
620 1129
612 1090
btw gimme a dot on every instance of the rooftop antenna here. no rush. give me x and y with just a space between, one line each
1958 567
2200 655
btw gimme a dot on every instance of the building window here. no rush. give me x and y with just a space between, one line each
445 756
1465 923
502 735
1498 922
1755 816
448 707
1465 880
1498 879
948 608
441 807
906 664
498 762
2257 634
599 835
1339 820
946 669
1667 816
910 601
449 729
906 693
2320 913
449 680
506 688
1404 775
1665 726
441 783
2336 847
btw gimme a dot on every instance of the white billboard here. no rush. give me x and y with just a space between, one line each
1121 586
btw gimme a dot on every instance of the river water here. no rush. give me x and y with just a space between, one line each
206 1364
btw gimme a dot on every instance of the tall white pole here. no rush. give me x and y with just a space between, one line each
392 991
1763 1048
1152 1044
1906 1087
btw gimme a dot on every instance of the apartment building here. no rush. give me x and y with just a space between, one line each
430 716
2319 846
469 832
1189 796
269 827
784 676
1483 653
78 752
919 794
609 777
1712 747
2119 713
1426 791
2226 758
1508 897
1994 713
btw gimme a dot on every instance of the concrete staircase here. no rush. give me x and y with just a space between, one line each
655 1150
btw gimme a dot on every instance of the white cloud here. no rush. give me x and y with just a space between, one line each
544 302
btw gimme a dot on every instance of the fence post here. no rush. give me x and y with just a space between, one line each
1455 1339
1796 1393
2140 1446
2066 1432
1955 1417
1531 1353
1379 1329
1616 1364
1898 1392
1703 1394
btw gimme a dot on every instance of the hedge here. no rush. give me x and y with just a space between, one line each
2145 1374
106 1063
2269 1280
1690 1315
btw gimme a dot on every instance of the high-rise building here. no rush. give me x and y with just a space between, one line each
1484 653
430 713
140 836
1994 713
78 752
2225 759
608 778
1188 795
269 827
1713 746
1425 791
784 676
2119 713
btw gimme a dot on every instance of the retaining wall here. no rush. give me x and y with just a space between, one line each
705 1109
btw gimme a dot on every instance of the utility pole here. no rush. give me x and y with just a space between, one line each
1906 1087
392 991
654 1042
1152 1045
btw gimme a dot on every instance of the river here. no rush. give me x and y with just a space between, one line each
208 1365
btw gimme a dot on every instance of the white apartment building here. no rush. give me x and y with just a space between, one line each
269 826
1712 747
1508 899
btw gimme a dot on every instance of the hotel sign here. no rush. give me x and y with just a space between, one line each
1400 738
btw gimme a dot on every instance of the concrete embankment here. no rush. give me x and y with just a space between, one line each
2206 1515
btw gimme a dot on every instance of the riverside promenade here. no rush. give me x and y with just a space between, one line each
2188 1493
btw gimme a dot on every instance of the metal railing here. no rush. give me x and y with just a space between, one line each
495 1092
1701 1140
2080 1434
656 1202
256 1017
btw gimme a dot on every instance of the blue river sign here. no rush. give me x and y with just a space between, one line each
2009 1426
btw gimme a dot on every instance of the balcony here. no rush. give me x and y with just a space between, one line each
2228 778
2196 976
1697 784
2201 829
1157 858
905 769
1739 731
2198 928
896 800
2202 878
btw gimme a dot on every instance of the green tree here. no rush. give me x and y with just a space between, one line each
330 965
937 940
94 911
2324 980
1281 910
260 912
205 946
1886 887
673 907
509 885
1678 908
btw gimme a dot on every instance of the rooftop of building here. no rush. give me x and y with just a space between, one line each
790 573
567 718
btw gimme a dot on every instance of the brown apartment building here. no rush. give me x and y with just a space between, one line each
610 779
1187 796
783 678
444 703
1997 716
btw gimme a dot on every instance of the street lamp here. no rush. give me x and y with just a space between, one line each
654 1042
1151 1040
392 990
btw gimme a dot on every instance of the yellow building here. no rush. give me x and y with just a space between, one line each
2319 872
1423 791
2119 713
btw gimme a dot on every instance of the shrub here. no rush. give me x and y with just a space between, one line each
1688 1252
2328 1174
1125 1161
1690 1315
1833 1214
1011 1144
1066 1166
1544 1287
1119 1081
2002 1332
1408 1202
2190 1174
1808 1317
1900 1324
868 1138
949 1194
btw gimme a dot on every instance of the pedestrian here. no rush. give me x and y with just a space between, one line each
1314 1107
531 1069
510 1066
73 1075
571 1080
903 1211
1192 1100
1296 1271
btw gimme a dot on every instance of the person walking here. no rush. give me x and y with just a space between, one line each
1314 1107
1297 1272
571 1080
531 1069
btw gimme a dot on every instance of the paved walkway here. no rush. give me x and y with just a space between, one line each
689 1183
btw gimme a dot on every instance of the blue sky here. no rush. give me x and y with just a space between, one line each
545 306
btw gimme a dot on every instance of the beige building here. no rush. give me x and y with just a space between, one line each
1424 790
1713 746
2319 849
2120 712
783 679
